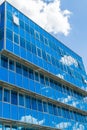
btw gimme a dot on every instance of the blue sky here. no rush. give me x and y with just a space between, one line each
77 38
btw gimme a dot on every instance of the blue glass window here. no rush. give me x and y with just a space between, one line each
28 46
9 34
14 128
6 95
39 52
18 68
33 49
41 79
0 93
11 65
34 104
39 103
25 71
22 42
48 58
47 81
36 76
16 38
31 31
21 24
27 102
50 108
21 100
31 74
6 127
9 16
55 110
51 83
42 38
46 41
4 61
45 107
14 98
59 111
44 55
37 35
26 27
1 34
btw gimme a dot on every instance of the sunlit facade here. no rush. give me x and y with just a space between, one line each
42 82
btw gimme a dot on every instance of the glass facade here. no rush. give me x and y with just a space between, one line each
42 82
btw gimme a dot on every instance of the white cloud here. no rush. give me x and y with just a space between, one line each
85 81
68 60
60 76
63 125
49 16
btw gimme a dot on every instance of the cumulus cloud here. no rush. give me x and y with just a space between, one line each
47 14
68 60
60 76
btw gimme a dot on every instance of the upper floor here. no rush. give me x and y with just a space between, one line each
20 36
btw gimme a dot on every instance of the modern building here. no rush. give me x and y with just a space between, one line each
42 82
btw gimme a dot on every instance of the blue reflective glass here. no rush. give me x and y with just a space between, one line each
16 38
50 108
39 52
22 42
41 79
11 65
0 93
39 103
4 61
18 68
45 107
6 95
31 74
21 100
36 76
27 102
9 34
25 71
6 127
14 98
1 34
34 104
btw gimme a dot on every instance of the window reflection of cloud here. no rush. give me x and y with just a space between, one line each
78 126
63 125
31 119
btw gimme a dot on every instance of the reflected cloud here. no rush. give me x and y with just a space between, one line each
60 76
31 119
63 125
68 60
78 126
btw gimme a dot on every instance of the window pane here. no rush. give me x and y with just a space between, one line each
14 98
55 110
0 93
7 127
16 38
39 103
39 52
21 100
41 79
27 102
31 74
22 42
47 81
36 76
28 46
6 95
18 68
11 65
25 71
4 61
9 34
45 107
50 108
34 104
